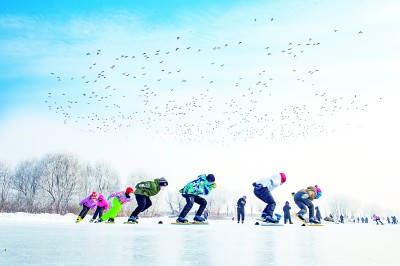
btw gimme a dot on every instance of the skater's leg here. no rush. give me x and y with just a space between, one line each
101 209
238 215
96 213
242 215
84 211
188 206
203 204
141 202
148 204
113 212
300 203
310 206
265 195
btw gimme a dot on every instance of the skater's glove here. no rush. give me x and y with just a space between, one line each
305 196
214 185
108 198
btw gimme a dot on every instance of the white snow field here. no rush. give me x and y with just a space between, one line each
57 240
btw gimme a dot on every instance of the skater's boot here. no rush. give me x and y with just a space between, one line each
269 219
263 215
199 218
300 216
182 220
132 219
79 219
313 221
110 220
278 217
91 221
98 220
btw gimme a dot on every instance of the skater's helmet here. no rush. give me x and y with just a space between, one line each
101 197
283 178
163 182
93 195
129 190
210 178
319 192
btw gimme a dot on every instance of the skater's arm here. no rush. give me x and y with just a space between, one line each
84 201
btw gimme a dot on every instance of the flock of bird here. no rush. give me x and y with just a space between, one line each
208 92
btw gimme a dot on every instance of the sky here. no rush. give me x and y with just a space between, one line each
240 90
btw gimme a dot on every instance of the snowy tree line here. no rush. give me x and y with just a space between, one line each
54 183
352 208
57 182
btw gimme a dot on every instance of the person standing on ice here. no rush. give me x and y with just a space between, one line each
318 214
119 198
240 208
342 218
262 190
87 203
203 185
143 192
304 198
102 205
286 213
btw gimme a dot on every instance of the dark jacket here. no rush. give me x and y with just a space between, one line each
318 213
241 202
286 209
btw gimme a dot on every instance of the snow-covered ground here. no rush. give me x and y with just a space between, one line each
50 239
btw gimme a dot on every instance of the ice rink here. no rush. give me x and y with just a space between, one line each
149 243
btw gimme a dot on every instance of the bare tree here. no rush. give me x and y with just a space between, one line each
101 178
60 177
5 185
87 182
27 183
341 205
217 199
175 202
105 177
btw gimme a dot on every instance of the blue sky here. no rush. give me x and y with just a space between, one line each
246 90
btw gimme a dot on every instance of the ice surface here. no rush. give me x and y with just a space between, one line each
62 242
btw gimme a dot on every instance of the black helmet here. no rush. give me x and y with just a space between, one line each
163 182
210 178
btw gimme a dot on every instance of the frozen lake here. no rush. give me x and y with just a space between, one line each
52 243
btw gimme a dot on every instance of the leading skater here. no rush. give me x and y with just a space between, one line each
303 198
